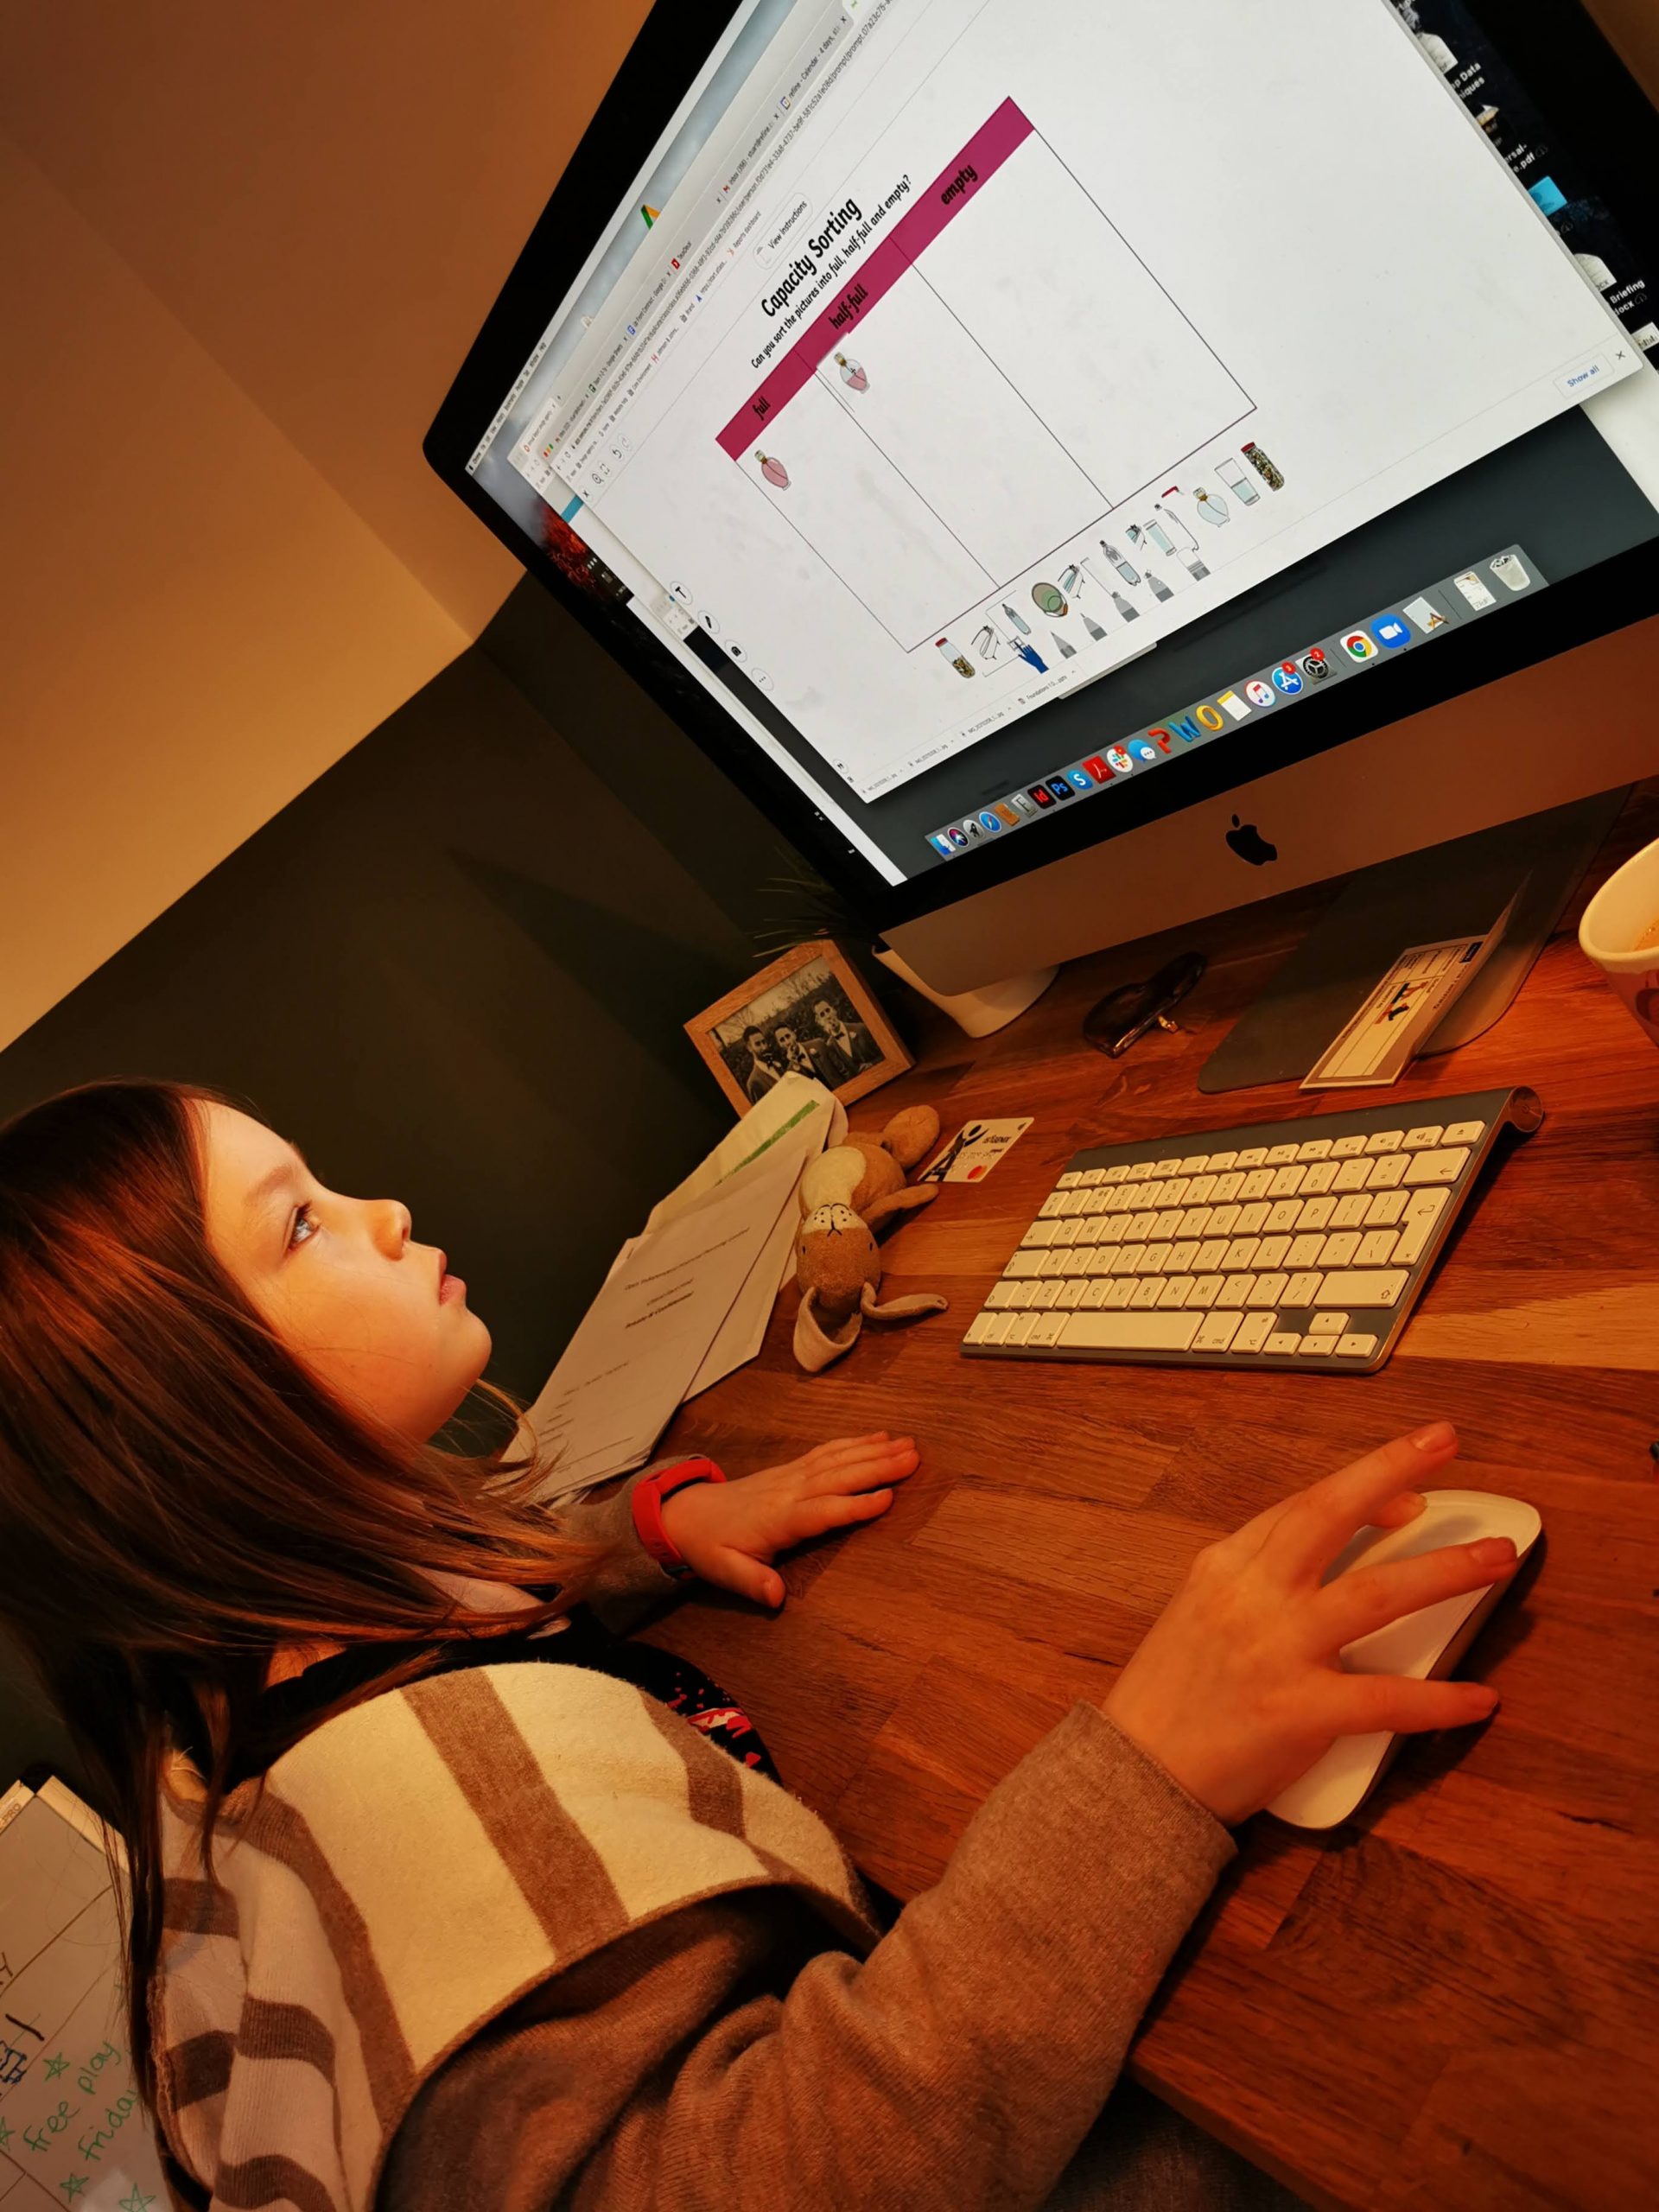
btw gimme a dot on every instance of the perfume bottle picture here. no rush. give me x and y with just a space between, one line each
1211 508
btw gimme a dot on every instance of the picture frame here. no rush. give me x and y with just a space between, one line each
811 1011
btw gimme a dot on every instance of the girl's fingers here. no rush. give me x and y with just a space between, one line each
834 1509
1307 1537
1366 1705
882 1463
843 1447
1366 1598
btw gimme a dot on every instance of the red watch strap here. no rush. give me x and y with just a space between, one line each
652 1492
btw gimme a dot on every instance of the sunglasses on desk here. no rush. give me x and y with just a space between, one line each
1124 1015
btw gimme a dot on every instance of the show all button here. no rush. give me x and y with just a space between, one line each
1588 377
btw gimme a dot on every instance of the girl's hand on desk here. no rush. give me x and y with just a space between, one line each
729 1532
1238 1689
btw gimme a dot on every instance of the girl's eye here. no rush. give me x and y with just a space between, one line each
304 1228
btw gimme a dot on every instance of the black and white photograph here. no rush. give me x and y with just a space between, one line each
809 1014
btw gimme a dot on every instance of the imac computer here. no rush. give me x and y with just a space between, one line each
1081 472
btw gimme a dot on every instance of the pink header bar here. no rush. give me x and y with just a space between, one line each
942 202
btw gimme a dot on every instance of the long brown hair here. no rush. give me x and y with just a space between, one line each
179 1495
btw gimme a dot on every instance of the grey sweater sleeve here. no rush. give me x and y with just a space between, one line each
713 2062
629 1584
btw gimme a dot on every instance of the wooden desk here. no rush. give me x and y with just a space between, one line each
1453 2001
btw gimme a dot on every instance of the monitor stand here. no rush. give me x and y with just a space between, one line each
1452 890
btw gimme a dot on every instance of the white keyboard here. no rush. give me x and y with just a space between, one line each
1294 1244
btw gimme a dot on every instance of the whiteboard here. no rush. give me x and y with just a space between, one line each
72 2130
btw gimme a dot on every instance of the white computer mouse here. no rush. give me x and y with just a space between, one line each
1427 1645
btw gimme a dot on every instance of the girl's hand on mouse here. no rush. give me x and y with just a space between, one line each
728 1533
1237 1689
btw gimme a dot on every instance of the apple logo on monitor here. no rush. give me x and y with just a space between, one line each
1250 844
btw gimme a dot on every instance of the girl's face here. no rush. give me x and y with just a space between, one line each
372 1315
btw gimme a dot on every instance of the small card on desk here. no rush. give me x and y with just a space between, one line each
973 1151
1399 1017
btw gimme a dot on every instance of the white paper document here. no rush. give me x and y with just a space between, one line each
1399 1016
686 1300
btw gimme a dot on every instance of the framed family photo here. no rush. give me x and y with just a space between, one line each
808 1012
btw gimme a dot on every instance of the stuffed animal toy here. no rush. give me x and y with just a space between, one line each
847 1194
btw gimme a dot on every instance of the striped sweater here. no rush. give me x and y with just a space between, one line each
416 1865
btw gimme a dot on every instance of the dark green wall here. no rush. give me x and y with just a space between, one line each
456 970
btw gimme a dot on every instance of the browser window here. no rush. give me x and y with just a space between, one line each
964 367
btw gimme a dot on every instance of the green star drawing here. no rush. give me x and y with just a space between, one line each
73 2187
5 2134
137 2202
56 2066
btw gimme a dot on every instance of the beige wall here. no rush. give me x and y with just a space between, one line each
242 252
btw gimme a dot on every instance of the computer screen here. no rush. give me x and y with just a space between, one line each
991 428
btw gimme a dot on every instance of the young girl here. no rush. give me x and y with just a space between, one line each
431 1908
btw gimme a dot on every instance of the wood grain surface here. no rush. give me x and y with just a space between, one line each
1453 2001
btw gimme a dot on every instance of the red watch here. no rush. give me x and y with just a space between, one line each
651 1493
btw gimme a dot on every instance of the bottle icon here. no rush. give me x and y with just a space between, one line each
1238 482
1130 574
958 660
1263 468
1160 588
1067 652
773 470
1018 620
1211 508
1092 627
1130 613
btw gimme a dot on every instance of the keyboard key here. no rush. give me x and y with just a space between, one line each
1350 1210
1239 1255
1175 1191
1194 1221
1287 1182
1174 1291
1229 1186
1047 1294
1383 1141
1464 1133
1001 1326
1302 1289
1111 1230
1056 1263
1353 1175
1328 1325
1221 1160
1020 1328
1319 1177
1197 1164
1145 1293
1279 1153
1254 1331
1257 1184
1168 1223
1336 1251
1204 1292
1071 1294
1025 1295
1129 1332
1039 1235
1156 1261
1253 1155
1201 1190
1126 1258
1384 1209
1236 1290
1347 1148
979 1329
1283 1213
1168 1166
1317 1347
1386 1172
1272 1251
1356 1347
1097 1293
1143 1171
1053 1206
1364 1290
1316 1213
1216 1333
1224 1220
1437 1166
1003 1293
1253 1217
1269 1291
1026 1264
1421 1215
1046 1329
1314 1148
1423 1139
1117 1174
1375 1249
1067 1180
1303 1252
1210 1254
1282 1343
1181 1258
1119 1291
